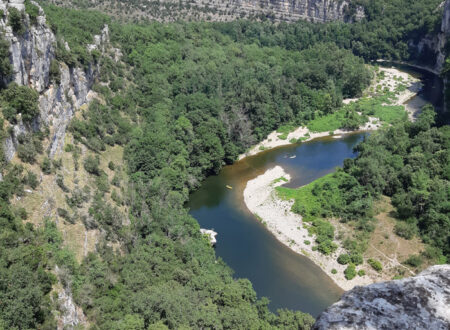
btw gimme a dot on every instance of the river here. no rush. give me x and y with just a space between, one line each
288 279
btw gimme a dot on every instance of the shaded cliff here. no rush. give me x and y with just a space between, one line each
431 50
420 302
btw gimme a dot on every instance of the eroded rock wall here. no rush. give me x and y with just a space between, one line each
31 55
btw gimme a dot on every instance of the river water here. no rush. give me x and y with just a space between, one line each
288 279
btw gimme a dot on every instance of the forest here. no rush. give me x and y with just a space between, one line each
185 100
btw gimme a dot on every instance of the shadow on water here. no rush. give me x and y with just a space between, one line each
288 279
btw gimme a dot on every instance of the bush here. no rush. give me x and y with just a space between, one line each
91 165
22 213
333 271
16 20
350 272
361 272
60 183
414 260
46 166
27 152
20 99
116 180
111 166
68 147
32 11
102 183
62 213
356 259
375 264
343 259
32 180
55 72
327 247
405 230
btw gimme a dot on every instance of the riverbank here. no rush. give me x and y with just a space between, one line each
391 79
261 199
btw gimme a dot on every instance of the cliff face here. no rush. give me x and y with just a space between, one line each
314 10
432 47
31 56
228 10
420 302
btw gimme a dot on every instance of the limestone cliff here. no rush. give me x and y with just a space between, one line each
227 10
314 10
31 55
420 302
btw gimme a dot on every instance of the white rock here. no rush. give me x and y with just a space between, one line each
419 302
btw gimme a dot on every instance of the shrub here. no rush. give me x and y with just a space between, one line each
414 260
16 20
327 247
22 213
55 72
91 165
111 166
116 180
343 259
333 271
405 230
57 163
361 272
68 147
356 259
350 272
375 264
32 180
62 213
27 152
20 99
102 183
32 11
46 166
60 183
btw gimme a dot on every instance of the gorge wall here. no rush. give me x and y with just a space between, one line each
227 10
431 50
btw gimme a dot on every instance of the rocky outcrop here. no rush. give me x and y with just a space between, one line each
71 316
420 302
31 56
32 52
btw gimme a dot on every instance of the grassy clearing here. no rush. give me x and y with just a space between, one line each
327 123
317 198
285 130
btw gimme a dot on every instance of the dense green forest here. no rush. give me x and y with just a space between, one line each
186 99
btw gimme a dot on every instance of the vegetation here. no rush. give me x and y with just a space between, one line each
186 99
407 162
350 272
375 264
19 99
